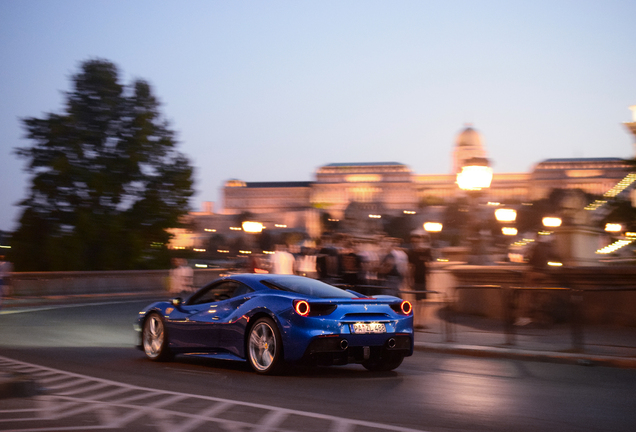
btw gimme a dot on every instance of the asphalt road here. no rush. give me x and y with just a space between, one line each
429 392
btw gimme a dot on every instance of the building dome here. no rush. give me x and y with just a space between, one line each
468 145
469 137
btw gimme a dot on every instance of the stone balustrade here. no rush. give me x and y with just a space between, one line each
42 284
608 294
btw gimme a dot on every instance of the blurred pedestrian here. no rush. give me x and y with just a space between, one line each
306 262
282 261
181 277
351 265
327 261
419 258
537 306
6 268
389 270
369 263
539 259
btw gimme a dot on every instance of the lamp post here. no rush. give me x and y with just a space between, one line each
475 176
507 217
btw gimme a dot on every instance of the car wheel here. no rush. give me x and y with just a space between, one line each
386 362
154 338
264 347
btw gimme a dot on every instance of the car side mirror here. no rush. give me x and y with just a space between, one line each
177 301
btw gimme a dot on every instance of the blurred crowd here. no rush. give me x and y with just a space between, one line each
387 263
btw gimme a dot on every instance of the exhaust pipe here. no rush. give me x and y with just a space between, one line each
344 344
391 343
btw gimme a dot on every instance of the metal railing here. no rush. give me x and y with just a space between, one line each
511 304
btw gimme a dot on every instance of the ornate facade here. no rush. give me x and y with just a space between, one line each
394 188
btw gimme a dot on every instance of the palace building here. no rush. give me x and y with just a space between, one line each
398 189
392 188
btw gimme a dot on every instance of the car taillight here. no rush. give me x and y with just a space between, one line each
306 309
404 308
301 307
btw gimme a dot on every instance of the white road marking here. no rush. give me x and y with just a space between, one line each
113 405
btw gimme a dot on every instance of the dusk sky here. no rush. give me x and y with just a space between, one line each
271 90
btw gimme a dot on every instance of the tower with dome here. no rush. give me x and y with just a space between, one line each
395 188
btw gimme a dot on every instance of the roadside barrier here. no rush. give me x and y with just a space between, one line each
546 310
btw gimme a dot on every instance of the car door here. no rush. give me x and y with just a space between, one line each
196 323
231 323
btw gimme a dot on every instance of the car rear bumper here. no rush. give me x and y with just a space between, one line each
349 348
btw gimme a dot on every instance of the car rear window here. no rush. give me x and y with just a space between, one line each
307 286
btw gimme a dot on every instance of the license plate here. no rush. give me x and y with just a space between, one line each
372 327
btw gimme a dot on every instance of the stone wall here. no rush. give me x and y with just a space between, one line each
42 284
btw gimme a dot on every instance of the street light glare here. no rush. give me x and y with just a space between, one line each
474 177
433 227
509 231
551 222
506 215
252 227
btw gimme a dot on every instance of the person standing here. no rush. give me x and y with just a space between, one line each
351 266
282 261
6 268
306 263
389 270
419 258
181 277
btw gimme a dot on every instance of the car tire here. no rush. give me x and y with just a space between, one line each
154 339
265 347
386 362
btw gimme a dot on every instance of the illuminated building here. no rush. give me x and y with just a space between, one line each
393 189
394 186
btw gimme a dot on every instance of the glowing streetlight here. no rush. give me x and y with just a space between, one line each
475 175
509 231
433 227
551 222
252 227
506 215
613 227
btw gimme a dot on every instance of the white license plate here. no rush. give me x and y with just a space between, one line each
372 327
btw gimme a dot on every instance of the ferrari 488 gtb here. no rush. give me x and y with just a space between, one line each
270 320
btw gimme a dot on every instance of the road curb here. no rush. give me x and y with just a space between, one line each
513 353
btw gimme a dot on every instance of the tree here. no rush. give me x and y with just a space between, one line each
106 179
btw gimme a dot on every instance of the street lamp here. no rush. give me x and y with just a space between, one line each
506 215
252 227
509 231
433 227
551 222
475 176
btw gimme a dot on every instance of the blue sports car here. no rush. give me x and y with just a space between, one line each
270 320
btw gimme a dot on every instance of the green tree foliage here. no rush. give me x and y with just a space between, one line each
106 179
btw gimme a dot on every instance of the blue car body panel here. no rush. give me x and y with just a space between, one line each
218 328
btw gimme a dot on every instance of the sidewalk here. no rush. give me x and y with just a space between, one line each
613 346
